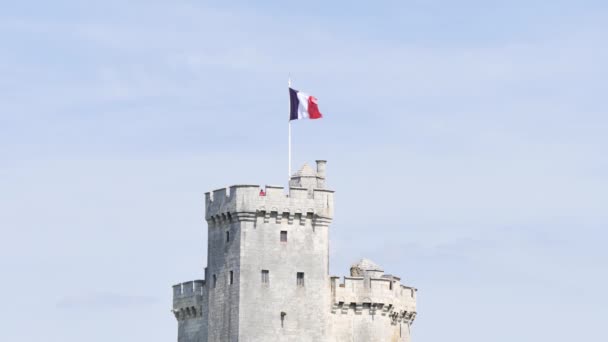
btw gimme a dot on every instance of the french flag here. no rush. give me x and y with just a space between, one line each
302 106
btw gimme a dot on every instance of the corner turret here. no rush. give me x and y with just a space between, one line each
368 292
190 310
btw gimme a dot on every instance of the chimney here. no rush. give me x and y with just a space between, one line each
321 173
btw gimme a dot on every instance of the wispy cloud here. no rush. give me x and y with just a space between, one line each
470 134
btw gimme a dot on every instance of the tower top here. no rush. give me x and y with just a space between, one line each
307 195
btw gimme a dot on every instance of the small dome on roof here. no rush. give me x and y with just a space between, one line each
364 265
305 171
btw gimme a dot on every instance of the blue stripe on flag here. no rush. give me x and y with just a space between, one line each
293 104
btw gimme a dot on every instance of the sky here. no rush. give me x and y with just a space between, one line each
466 142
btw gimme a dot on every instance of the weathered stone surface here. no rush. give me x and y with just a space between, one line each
286 237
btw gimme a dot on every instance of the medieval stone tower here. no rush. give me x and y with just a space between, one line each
267 277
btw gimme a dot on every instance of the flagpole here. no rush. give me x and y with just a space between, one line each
289 155
289 135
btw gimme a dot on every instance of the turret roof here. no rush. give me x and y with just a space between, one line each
305 171
367 265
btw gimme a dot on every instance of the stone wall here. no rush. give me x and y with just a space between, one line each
283 310
280 309
222 277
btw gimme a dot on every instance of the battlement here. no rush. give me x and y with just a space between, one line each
188 299
383 295
246 202
189 288
306 197
369 290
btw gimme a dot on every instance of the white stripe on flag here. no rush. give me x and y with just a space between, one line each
303 105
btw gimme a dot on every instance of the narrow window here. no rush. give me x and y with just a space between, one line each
390 285
265 277
231 279
214 281
300 279
283 236
227 236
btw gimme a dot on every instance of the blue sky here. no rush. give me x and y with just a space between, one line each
466 142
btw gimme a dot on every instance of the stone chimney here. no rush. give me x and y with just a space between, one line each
321 173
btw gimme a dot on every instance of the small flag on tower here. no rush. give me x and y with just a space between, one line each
302 106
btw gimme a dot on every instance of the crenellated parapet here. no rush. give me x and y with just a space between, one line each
369 291
271 204
188 299
374 296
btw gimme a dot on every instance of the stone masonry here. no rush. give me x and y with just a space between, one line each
267 277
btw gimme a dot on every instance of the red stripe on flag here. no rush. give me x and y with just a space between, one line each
313 110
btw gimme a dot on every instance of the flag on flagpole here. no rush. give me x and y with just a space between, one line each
302 106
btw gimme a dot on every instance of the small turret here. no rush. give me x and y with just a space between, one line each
308 178
366 268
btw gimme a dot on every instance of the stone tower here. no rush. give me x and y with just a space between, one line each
267 277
